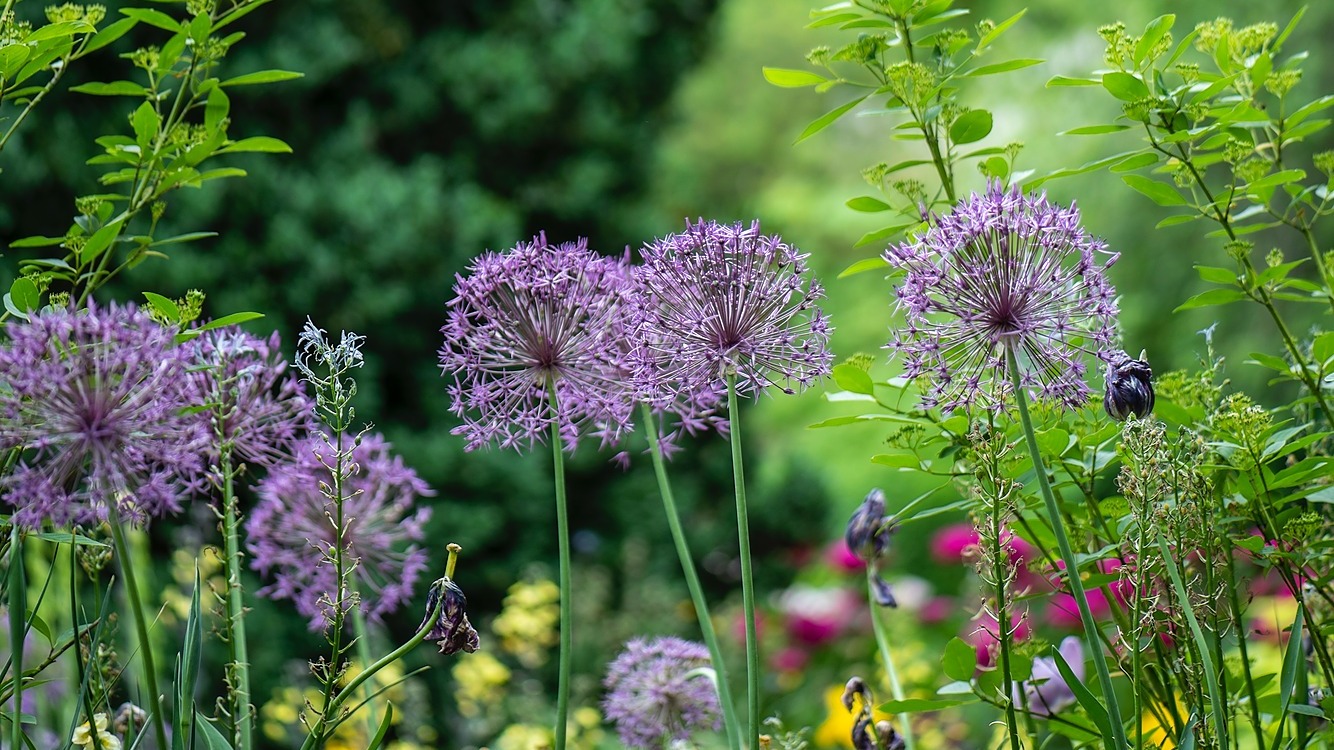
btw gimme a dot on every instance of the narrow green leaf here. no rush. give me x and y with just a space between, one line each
1277 178
918 705
213 739
1216 702
1096 711
239 12
1172 221
1068 81
902 460
216 109
164 306
1277 364
258 143
788 78
188 237
1095 130
1138 161
833 20
827 119
233 319
23 293
263 76
1003 67
1216 275
152 18
109 34
1159 192
865 264
867 204
972 126
999 29
380 733
114 88
1211 298
1124 86
1154 31
880 235
959 661
1287 30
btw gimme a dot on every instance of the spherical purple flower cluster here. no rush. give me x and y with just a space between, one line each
537 319
291 532
95 401
660 690
257 407
719 300
1003 271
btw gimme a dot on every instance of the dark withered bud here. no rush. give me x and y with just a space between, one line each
861 737
868 531
1129 388
451 631
855 687
129 717
889 739
883 594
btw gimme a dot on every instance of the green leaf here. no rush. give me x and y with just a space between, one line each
1277 364
853 378
1159 192
111 33
216 109
380 733
187 237
859 418
13 309
1095 130
972 126
1277 178
865 264
791 79
1053 441
880 235
832 20
1215 275
1137 161
145 121
230 320
115 88
152 18
901 460
12 58
1154 31
867 204
214 739
1172 221
259 143
1004 67
918 705
164 306
99 242
959 661
999 29
827 119
1096 711
1211 298
1322 348
1068 81
1124 86
23 293
263 76
1086 167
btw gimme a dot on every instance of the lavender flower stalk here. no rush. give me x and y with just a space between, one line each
660 691
728 307
535 342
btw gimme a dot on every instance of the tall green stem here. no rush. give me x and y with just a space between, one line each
242 717
363 635
882 642
140 625
563 542
692 582
18 594
747 584
1067 554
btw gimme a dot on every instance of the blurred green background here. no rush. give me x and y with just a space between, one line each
425 133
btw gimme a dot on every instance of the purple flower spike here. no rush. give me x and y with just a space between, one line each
722 299
95 399
538 316
261 410
291 531
1003 270
661 690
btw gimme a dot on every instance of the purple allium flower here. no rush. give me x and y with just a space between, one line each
1046 690
1003 270
661 690
260 409
722 299
537 317
291 531
1129 387
96 401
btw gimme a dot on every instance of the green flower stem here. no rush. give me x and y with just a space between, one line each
692 582
363 635
1216 701
17 585
747 583
882 642
155 708
1067 554
242 716
563 542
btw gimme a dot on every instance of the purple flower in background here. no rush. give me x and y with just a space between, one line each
260 409
717 300
1046 691
661 690
1003 270
291 531
95 400
538 317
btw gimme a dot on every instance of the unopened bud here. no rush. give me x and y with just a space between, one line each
1129 389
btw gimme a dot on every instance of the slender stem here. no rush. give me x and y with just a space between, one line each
242 716
17 612
1067 554
747 583
363 635
563 542
1003 632
692 582
140 624
882 642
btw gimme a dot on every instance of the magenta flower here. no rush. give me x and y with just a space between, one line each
1003 271
536 318
95 402
291 531
659 691
258 407
718 300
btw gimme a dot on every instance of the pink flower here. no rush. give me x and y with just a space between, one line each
818 615
984 635
841 558
950 543
790 659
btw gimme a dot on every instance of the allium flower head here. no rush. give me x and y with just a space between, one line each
1003 271
291 531
257 406
96 400
720 299
537 317
660 690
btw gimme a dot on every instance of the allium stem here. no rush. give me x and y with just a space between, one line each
882 642
17 589
242 716
563 543
692 582
1067 554
747 584
155 708
363 635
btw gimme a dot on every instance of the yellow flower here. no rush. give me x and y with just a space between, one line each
524 737
480 679
527 624
836 729
83 735
1156 734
